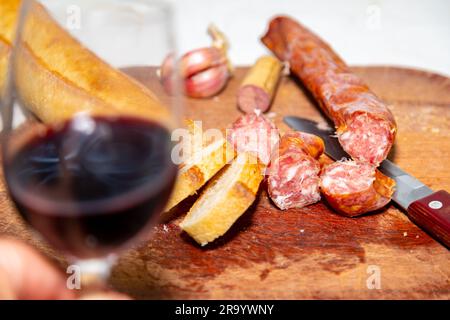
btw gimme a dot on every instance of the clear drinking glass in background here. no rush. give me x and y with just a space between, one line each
86 148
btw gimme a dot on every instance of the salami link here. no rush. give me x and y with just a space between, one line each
353 188
364 125
255 134
293 174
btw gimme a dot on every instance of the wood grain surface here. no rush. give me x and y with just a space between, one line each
309 253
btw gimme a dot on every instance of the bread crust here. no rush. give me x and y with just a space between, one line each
193 175
210 217
9 11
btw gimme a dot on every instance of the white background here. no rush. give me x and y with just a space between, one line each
414 33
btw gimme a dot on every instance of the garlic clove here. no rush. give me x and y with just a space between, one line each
207 83
199 60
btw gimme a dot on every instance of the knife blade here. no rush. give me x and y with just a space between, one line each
428 209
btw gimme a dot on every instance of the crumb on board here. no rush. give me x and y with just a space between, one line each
405 234
417 237
302 230
165 228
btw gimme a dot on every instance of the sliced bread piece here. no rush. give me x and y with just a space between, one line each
225 199
198 169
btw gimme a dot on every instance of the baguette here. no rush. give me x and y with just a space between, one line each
224 200
9 10
57 77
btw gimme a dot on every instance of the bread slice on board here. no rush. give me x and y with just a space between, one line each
198 169
225 199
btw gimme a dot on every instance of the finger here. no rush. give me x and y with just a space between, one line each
6 290
29 275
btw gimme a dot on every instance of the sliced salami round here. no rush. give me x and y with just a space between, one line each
293 173
254 133
353 188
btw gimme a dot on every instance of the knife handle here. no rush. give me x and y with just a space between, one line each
432 213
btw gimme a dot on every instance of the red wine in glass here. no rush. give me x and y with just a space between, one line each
92 184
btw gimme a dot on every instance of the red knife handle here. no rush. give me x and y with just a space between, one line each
432 213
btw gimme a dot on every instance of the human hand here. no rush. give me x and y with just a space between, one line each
25 274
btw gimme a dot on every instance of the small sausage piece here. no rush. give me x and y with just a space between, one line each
353 188
364 125
254 133
258 88
293 174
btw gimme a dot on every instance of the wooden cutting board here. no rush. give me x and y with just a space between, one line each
309 253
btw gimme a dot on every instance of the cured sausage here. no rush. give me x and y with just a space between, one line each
364 125
258 88
293 174
255 134
353 188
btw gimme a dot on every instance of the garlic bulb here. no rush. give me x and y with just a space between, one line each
204 72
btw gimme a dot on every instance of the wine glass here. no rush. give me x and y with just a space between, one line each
87 147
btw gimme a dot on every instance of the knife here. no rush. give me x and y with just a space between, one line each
428 209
